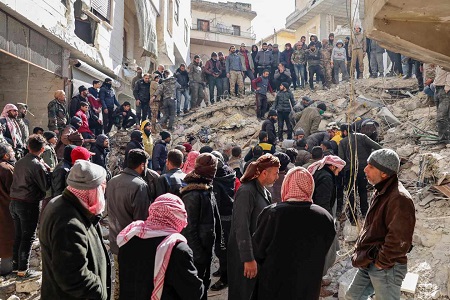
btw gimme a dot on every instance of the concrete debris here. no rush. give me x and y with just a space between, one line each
28 285
409 284
13 297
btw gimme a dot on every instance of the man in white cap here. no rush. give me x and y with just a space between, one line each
380 252
75 262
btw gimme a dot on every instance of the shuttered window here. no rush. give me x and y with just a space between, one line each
102 9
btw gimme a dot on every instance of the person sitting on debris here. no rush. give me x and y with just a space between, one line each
173 178
309 118
124 116
269 127
160 152
380 252
263 143
69 136
75 261
303 155
284 103
275 248
84 129
316 155
261 85
155 261
352 178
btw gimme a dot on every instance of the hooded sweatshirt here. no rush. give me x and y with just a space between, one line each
147 139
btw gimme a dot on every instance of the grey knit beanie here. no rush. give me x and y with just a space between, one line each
85 175
385 160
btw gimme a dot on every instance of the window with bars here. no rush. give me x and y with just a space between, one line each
102 9
202 25
236 30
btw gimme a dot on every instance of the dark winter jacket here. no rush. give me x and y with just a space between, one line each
203 220
291 262
213 67
313 58
75 262
108 97
284 101
59 174
182 78
30 179
223 187
317 138
159 155
302 158
171 182
128 200
286 56
136 272
250 200
6 221
387 233
264 58
365 147
101 155
275 59
325 189
131 145
75 104
141 91
269 126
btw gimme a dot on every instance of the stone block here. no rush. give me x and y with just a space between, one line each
13 297
28 285
344 282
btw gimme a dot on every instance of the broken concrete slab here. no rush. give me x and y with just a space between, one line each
29 285
344 282
409 284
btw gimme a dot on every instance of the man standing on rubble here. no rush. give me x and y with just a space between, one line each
355 149
380 252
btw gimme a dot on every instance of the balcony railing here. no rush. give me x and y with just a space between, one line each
222 29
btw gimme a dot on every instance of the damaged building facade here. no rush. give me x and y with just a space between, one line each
321 17
217 26
46 45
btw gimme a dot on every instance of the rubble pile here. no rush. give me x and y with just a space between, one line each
407 125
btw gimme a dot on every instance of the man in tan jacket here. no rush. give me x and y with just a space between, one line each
359 48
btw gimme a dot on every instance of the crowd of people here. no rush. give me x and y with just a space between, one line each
268 214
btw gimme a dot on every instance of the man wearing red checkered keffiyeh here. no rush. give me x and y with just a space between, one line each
291 241
159 237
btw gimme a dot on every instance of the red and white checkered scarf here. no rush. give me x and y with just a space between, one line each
189 165
166 217
93 200
298 185
327 160
12 124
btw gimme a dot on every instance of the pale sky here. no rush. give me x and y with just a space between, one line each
271 14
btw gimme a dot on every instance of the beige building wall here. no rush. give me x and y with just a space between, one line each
312 27
218 19
280 38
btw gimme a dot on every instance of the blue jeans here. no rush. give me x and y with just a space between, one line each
300 72
385 283
429 90
187 99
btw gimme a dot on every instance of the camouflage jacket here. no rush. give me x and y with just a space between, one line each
57 115
298 57
167 88
326 55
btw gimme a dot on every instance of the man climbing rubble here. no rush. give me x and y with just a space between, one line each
380 252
